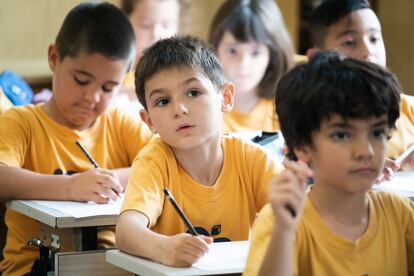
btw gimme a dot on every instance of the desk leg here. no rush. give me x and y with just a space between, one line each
89 237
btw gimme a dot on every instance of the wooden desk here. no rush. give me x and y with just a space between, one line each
72 237
232 261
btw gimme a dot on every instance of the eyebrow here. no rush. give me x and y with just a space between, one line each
383 122
92 76
351 32
162 90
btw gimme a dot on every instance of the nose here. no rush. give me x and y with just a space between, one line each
156 32
180 109
363 149
366 50
92 96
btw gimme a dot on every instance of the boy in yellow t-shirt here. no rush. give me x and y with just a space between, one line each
352 28
220 182
38 155
339 226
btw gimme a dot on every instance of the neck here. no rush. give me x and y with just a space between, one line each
203 163
246 101
346 214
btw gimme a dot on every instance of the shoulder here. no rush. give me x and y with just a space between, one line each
23 114
392 205
155 151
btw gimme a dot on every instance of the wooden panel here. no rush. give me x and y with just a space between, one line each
397 23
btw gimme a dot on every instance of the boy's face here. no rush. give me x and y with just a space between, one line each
184 107
244 63
153 20
358 35
347 155
82 87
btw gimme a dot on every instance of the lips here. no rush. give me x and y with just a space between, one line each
364 171
184 127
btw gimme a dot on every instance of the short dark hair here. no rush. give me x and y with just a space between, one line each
260 21
178 52
332 84
96 28
329 12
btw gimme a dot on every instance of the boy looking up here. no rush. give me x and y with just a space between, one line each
220 182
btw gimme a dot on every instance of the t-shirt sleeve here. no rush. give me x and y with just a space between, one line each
263 168
14 138
409 206
259 242
134 133
144 192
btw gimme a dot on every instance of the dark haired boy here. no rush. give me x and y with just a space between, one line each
341 226
220 182
38 155
352 28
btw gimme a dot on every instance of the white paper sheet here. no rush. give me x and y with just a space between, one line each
224 255
83 209
402 183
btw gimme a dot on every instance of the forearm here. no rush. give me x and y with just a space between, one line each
123 174
18 183
133 224
278 258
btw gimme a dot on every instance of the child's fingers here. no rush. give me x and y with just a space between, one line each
109 181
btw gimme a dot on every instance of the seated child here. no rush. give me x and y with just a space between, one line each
352 28
339 225
220 182
253 43
38 155
151 20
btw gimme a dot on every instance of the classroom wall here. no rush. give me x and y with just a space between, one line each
27 27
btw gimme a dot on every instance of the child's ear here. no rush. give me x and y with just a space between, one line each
303 154
146 118
227 91
52 56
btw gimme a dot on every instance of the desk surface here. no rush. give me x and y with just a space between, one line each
229 263
57 219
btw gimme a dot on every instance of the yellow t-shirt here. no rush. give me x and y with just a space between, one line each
261 117
129 80
224 211
403 136
31 140
386 247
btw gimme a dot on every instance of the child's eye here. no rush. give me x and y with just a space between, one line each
81 82
232 51
255 53
107 89
162 102
374 39
379 133
193 93
340 135
349 43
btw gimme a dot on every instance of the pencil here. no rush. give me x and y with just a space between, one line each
180 212
93 162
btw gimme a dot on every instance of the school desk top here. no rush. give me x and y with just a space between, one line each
222 258
402 183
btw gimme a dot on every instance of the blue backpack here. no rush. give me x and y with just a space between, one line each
15 88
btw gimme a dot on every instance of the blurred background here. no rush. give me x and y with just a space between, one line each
27 27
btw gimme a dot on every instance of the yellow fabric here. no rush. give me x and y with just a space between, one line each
225 210
403 136
300 58
5 103
31 140
129 80
262 117
386 248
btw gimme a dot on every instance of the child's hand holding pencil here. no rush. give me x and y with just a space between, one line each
98 185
